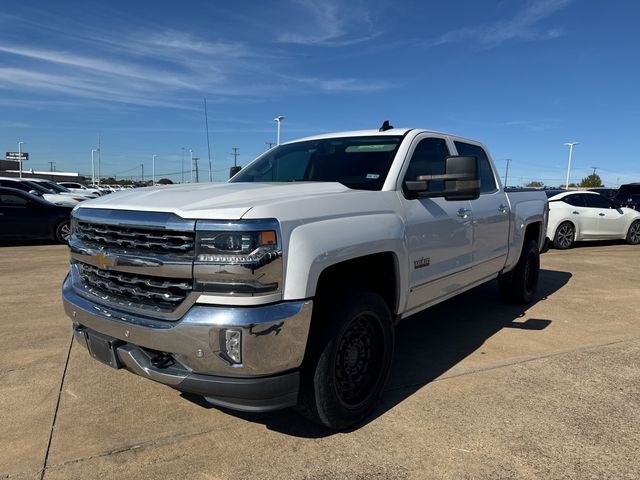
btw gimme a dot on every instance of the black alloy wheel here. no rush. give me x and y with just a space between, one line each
348 359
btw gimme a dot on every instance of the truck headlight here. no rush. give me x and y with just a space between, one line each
238 258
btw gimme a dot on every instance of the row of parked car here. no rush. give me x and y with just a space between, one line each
39 209
36 208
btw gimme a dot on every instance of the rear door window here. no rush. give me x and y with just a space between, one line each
487 179
597 201
575 200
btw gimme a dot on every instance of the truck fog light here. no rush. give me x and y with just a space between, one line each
233 345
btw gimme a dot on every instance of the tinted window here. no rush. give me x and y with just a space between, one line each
429 158
597 201
575 200
487 180
11 200
360 163
16 185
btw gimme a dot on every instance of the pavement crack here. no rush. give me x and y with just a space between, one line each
55 413
167 439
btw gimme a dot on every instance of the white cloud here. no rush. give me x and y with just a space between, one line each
522 26
331 24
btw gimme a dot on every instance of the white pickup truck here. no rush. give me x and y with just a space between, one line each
282 287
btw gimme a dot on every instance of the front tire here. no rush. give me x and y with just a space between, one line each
565 236
349 359
633 234
63 232
520 284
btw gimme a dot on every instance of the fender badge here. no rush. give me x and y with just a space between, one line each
422 262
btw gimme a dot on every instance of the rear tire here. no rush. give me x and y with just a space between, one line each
520 284
63 232
348 359
565 236
633 235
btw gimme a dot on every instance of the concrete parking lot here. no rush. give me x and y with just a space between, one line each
478 390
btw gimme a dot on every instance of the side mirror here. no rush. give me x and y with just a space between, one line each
35 192
461 180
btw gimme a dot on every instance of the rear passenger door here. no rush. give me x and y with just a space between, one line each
490 213
584 218
609 220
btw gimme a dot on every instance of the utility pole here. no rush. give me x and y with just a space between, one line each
142 176
235 156
182 168
506 174
269 145
195 159
191 165
52 166
153 170
278 120
594 170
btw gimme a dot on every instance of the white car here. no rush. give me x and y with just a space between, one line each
53 187
79 188
580 215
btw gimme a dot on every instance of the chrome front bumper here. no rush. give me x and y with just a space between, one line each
274 338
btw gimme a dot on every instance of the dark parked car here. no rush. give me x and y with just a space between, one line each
24 216
604 191
628 196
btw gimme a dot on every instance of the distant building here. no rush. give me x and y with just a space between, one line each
11 168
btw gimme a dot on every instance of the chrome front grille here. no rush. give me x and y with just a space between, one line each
180 243
133 290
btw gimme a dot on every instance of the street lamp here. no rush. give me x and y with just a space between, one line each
93 168
20 156
153 170
278 120
570 145
191 165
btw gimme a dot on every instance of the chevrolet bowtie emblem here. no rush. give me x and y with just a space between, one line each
103 262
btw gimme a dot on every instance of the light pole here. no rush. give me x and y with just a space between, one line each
278 120
20 156
153 170
191 166
570 145
93 168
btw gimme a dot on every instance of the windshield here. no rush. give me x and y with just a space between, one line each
56 187
35 186
360 163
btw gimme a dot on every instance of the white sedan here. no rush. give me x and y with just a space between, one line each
580 215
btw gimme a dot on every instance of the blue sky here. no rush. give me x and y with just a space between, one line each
523 76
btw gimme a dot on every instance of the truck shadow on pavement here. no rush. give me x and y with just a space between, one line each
428 345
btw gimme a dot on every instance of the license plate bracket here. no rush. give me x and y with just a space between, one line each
103 348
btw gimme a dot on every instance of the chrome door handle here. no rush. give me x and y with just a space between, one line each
601 214
502 208
575 213
464 212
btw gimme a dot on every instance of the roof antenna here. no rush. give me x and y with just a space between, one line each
385 126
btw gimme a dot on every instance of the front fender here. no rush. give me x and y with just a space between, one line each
315 246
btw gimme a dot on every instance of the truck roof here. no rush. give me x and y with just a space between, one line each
374 133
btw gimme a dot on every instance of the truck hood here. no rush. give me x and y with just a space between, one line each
224 201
